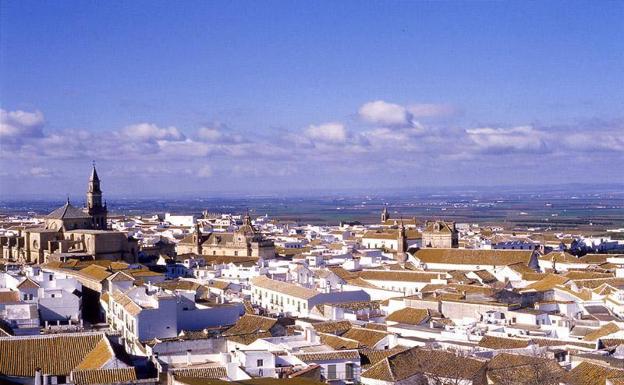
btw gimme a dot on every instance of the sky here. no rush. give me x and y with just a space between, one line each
250 97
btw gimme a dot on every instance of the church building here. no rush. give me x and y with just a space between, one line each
244 242
70 232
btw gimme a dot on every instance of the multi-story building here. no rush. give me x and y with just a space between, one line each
283 297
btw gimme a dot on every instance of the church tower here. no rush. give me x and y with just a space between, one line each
384 215
95 208
402 243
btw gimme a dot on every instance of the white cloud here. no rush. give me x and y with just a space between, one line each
209 134
332 132
384 113
150 132
429 110
520 138
16 124
205 171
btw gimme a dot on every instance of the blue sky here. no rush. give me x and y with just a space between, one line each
288 96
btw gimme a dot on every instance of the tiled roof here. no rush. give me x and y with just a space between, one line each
204 372
547 283
372 356
493 342
95 272
587 373
103 376
9 296
283 287
534 370
120 276
342 272
327 356
249 328
603 331
409 315
55 354
97 357
337 342
126 302
474 257
404 276
67 211
333 327
443 227
486 276
366 337
588 275
179 284
441 364
561 257
28 284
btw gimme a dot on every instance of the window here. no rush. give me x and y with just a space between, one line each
259 363
331 372
349 371
50 277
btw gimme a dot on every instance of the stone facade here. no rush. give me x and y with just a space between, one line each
70 232
245 242
440 235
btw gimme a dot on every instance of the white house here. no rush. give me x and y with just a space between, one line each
284 297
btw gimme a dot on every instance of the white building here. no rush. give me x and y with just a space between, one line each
284 297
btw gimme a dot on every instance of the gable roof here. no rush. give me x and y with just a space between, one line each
535 370
408 363
333 327
120 276
409 315
283 287
28 284
329 355
103 376
404 276
603 331
366 337
493 342
337 342
474 257
587 373
54 354
249 328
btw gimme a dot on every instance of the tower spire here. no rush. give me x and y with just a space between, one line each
94 207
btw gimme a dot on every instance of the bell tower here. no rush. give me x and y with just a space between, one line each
401 243
384 215
95 208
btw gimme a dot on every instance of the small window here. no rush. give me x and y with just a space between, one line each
331 372
259 363
349 371
51 277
